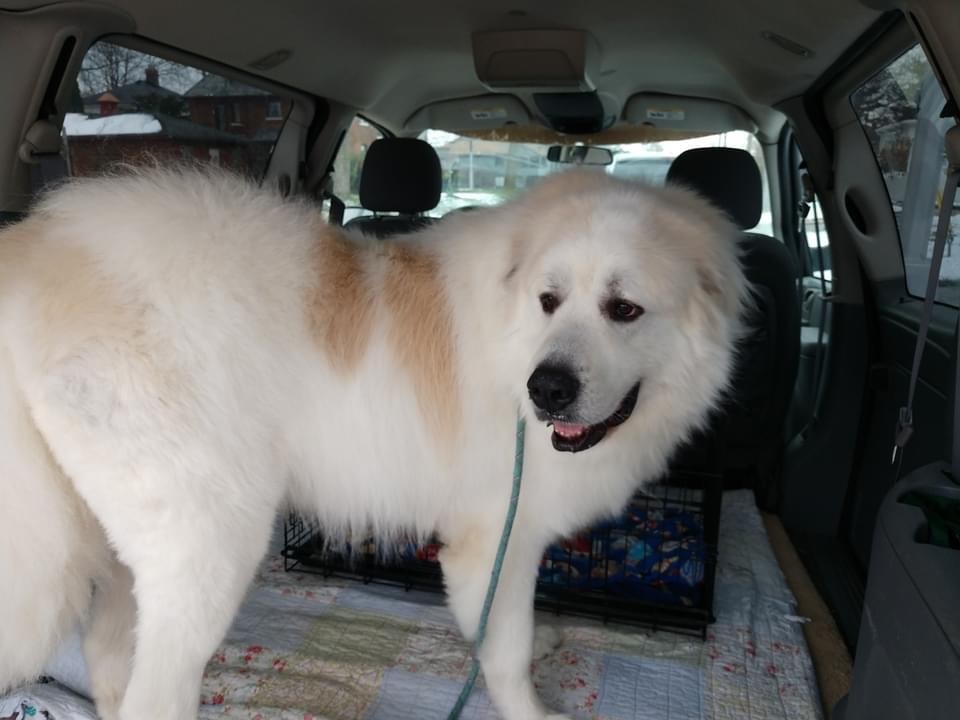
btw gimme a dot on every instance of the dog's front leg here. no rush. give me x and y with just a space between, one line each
507 650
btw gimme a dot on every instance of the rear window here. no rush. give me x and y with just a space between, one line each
132 107
479 172
899 109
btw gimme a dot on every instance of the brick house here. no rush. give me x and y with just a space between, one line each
231 106
146 95
217 120
93 145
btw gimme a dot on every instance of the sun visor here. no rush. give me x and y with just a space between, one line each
549 60
675 112
484 112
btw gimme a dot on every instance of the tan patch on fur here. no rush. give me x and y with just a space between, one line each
341 307
88 335
421 333
70 300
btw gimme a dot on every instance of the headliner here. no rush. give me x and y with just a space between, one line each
388 58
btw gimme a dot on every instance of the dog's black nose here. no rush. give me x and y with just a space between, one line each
552 388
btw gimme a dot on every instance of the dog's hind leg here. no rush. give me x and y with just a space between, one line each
192 535
109 642
51 548
186 487
507 650
189 511
191 563
185 604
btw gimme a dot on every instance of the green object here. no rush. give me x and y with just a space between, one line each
943 517
494 572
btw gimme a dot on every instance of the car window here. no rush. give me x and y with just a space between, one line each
899 109
349 163
817 240
479 172
132 107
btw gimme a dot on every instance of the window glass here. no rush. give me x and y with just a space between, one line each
811 240
817 241
487 172
131 107
899 109
349 163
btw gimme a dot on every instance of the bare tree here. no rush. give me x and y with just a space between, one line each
107 65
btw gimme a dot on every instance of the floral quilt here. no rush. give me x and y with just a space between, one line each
308 648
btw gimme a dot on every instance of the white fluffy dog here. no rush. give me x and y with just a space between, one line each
182 354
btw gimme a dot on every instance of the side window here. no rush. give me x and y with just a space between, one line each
808 236
899 109
131 107
348 165
814 233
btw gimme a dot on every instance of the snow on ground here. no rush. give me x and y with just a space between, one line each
124 124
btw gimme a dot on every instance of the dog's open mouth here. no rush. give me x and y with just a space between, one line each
572 437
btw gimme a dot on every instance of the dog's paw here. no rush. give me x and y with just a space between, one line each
546 639
107 701
111 712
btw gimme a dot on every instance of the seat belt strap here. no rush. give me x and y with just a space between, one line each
955 428
905 416
952 140
337 208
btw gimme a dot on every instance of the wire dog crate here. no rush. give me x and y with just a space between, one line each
653 566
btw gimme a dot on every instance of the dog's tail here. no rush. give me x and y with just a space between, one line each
46 543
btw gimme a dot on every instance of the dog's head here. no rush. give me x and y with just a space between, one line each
628 302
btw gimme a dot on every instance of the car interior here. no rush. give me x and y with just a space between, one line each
822 128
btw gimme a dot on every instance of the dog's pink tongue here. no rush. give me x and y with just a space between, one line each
569 430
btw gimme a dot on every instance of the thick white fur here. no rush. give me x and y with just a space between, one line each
161 396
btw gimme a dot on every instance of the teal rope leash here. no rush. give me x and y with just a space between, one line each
495 572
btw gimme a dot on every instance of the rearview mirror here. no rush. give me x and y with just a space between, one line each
579 155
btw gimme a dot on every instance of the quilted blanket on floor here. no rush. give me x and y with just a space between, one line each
305 648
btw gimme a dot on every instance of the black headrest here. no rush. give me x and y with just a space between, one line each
728 177
400 175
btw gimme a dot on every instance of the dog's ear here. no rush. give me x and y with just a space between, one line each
709 283
723 289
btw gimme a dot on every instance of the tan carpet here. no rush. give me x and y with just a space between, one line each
831 660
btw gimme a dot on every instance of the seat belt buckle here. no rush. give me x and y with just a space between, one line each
904 432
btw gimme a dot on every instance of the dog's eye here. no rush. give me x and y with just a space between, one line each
623 310
549 302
